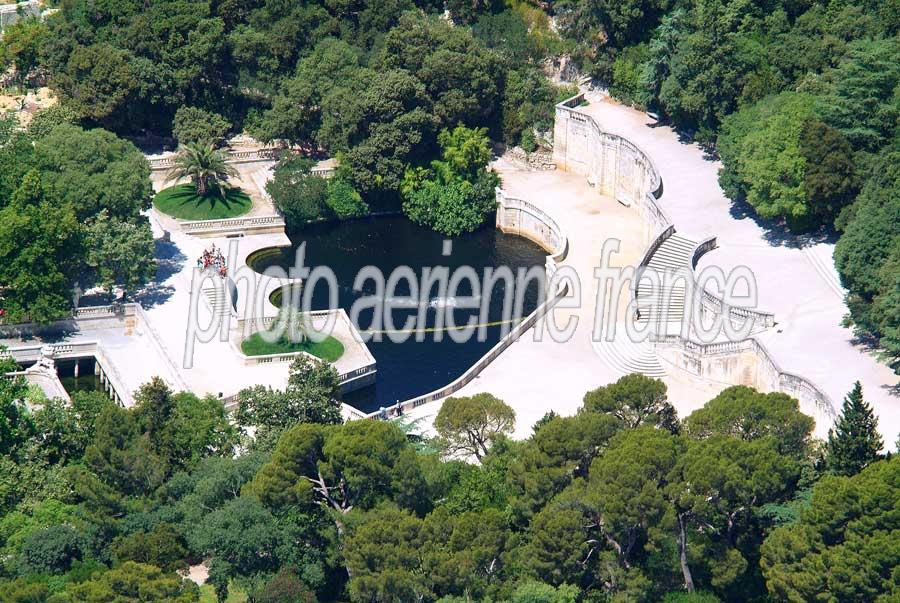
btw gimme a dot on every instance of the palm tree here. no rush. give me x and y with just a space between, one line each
204 166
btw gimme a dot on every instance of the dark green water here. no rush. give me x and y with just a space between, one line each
412 368
86 381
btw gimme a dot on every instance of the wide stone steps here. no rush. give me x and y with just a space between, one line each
666 302
625 356
216 299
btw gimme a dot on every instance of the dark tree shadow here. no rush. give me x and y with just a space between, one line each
776 232
169 262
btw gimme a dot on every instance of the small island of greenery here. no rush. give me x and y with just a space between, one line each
183 202
329 349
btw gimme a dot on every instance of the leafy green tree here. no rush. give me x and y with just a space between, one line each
450 208
120 251
163 547
296 113
16 423
311 396
854 442
830 180
558 545
626 74
528 100
193 125
868 254
24 590
387 125
121 456
861 99
467 426
243 534
849 530
536 592
456 193
300 196
65 429
132 583
561 451
761 147
383 560
634 400
52 549
21 45
461 78
353 466
744 413
344 200
204 166
38 245
96 81
198 428
45 120
625 503
284 587
93 170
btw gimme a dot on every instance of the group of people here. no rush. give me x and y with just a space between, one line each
213 257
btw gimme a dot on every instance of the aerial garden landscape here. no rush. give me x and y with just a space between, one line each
176 425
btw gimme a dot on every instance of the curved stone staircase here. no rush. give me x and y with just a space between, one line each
626 356
666 303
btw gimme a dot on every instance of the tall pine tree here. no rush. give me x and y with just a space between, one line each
854 441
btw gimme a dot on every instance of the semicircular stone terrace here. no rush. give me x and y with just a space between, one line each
624 200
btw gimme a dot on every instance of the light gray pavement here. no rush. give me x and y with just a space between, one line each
795 276
535 377
796 280
214 366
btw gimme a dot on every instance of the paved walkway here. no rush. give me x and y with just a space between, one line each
796 279
795 275
535 377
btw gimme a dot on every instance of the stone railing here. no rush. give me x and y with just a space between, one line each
109 374
713 361
526 220
248 156
209 228
232 156
620 169
714 304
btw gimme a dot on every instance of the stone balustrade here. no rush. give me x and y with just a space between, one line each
619 169
109 375
523 219
721 361
248 225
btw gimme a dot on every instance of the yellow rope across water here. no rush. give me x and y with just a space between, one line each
495 323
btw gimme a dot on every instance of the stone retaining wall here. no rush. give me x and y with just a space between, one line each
619 169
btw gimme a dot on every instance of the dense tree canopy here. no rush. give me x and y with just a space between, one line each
622 501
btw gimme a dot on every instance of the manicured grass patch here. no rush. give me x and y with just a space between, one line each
329 350
235 594
183 202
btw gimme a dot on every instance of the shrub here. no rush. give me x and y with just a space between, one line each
195 125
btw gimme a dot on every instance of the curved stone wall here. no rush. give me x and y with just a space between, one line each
619 169
524 219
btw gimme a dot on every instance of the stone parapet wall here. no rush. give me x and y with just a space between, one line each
10 13
745 362
524 219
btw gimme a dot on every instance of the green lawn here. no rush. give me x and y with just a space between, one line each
235 594
329 350
183 202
